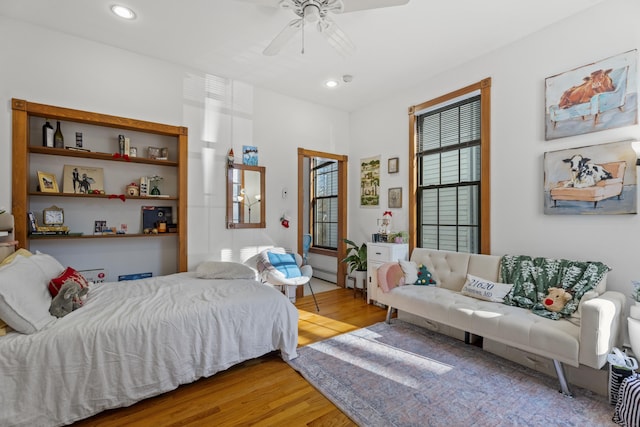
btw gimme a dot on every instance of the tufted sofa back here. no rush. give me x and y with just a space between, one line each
450 269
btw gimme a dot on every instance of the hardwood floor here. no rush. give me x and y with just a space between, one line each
260 392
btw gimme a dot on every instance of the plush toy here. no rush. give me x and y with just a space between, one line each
556 299
68 299
424 276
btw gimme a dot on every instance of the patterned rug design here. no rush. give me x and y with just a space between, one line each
404 375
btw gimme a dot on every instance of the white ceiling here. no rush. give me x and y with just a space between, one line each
396 46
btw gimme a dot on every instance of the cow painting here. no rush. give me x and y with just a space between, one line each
585 173
597 82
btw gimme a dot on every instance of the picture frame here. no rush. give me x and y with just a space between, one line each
157 153
250 155
395 197
393 165
592 180
370 182
82 179
47 182
591 98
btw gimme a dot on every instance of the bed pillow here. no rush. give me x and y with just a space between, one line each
285 264
24 297
224 270
25 253
484 289
49 266
68 274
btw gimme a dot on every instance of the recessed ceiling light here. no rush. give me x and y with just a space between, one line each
123 11
331 83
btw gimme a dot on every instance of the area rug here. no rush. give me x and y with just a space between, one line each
404 375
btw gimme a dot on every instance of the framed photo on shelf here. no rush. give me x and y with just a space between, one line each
395 197
82 179
47 182
392 165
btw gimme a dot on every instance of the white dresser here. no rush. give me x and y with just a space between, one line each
378 254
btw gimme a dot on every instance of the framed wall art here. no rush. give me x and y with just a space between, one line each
594 97
370 181
47 182
82 179
395 197
599 179
250 155
392 165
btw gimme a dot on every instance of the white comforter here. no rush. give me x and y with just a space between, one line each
137 339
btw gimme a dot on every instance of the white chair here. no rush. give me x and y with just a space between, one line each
285 271
306 245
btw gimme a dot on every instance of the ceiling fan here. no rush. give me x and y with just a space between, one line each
317 13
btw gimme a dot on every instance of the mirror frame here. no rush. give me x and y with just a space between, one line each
233 225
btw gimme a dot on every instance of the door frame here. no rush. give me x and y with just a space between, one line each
342 160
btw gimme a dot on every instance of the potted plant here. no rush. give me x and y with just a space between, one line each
634 310
356 260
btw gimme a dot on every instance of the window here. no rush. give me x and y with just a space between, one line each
324 202
450 172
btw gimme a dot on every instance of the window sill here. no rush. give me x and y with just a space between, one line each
326 252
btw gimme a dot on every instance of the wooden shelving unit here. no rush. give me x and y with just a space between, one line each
27 148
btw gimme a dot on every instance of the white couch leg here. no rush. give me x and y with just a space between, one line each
389 311
564 385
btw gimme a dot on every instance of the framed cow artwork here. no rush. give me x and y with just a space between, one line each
594 97
599 179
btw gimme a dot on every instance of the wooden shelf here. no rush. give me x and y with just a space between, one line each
99 156
27 152
98 236
101 196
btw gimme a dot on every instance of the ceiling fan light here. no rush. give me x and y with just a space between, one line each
311 13
123 11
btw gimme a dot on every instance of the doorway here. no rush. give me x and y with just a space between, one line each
306 206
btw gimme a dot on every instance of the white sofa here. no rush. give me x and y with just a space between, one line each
583 340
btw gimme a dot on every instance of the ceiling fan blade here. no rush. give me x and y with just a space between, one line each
283 37
355 5
337 38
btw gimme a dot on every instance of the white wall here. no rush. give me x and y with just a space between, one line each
53 68
518 72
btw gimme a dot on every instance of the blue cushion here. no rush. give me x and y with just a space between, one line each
285 264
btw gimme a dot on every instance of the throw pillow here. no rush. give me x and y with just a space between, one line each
24 297
285 264
410 270
424 276
68 274
390 275
484 289
224 270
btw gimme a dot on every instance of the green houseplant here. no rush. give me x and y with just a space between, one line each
356 260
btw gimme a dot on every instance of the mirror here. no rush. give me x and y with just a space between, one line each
245 196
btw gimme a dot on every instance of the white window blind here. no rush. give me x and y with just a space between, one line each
449 177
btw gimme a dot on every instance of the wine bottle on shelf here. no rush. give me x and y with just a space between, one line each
58 139
47 134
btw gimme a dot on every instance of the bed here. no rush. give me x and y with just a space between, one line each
136 339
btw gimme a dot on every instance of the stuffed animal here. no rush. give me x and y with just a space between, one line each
424 276
556 299
68 299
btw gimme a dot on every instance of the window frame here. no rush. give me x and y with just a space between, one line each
315 170
484 88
